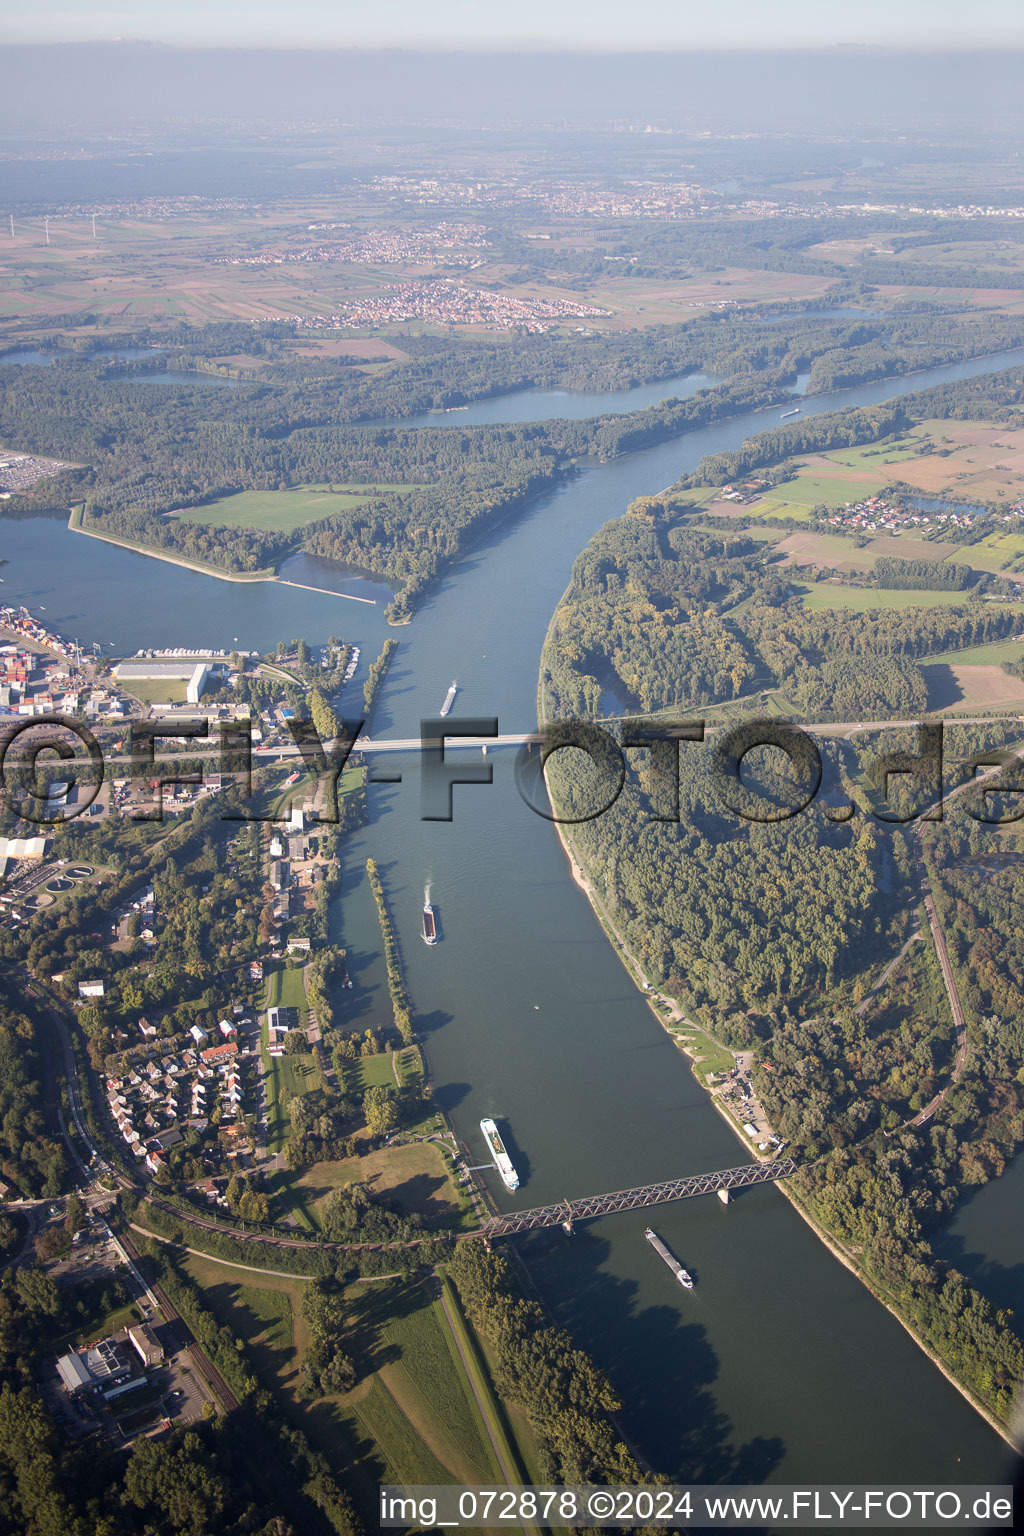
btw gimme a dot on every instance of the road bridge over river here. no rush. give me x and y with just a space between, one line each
643 1195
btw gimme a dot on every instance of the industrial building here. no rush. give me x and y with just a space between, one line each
14 849
147 1345
107 1368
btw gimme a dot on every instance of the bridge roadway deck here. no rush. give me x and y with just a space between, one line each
644 1194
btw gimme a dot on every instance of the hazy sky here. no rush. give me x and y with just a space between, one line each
638 24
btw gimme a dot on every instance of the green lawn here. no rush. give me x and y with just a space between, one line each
407 1459
287 987
415 1175
156 690
808 490
351 780
429 1382
769 507
411 1418
708 1055
480 1376
99 1327
874 457
264 1314
830 594
375 1070
283 511
979 655
289 1075
298 1074
994 552
410 1064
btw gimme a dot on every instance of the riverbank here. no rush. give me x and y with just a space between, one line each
830 1242
674 1014
838 1252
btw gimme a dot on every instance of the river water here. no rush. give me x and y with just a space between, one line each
779 1364
547 404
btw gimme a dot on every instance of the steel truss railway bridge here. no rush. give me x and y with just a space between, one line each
632 1199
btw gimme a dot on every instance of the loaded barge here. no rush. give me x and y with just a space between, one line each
429 924
683 1276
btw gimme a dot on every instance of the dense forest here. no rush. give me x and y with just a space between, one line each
770 933
32 1159
649 619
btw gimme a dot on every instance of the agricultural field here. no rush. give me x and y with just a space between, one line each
1006 300
201 267
966 460
971 459
983 655
176 268
953 253
830 594
282 511
364 351
830 551
655 301
995 552
968 253
853 247
969 685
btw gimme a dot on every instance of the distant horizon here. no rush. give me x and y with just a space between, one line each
865 88
525 49
532 25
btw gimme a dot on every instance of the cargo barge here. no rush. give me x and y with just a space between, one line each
501 1159
449 699
682 1275
429 924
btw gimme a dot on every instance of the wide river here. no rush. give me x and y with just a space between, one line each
779 1365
